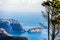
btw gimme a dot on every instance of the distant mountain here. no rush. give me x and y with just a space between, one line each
11 25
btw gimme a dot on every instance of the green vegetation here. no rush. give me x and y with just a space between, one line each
53 10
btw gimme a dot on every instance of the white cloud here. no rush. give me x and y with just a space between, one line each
20 5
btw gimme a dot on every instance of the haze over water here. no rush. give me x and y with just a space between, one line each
28 13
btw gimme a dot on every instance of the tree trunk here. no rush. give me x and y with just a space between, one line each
53 32
57 30
48 26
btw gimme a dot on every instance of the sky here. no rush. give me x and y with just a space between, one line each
21 5
28 12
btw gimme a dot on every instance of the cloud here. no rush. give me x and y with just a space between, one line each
20 5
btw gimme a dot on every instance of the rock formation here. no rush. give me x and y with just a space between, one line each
34 30
3 32
11 25
5 36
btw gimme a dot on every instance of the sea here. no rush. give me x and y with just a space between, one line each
28 20
43 35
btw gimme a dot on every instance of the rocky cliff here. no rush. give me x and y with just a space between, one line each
11 25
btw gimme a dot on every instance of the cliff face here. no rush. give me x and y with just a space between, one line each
5 36
11 25
3 33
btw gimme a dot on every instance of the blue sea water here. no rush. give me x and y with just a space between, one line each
33 36
29 20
